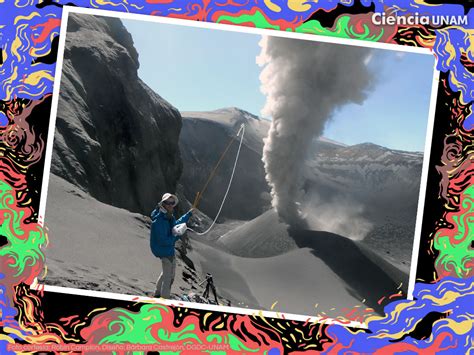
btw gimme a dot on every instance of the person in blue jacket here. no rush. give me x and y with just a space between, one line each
162 241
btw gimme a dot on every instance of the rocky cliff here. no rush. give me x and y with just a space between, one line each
204 137
115 138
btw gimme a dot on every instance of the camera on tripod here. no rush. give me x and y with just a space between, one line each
209 287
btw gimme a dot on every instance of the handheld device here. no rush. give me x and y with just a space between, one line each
179 229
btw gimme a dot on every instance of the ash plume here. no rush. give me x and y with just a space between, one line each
305 82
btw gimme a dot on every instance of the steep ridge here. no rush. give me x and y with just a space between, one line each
203 139
115 138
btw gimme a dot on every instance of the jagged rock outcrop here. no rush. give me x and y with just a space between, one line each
115 138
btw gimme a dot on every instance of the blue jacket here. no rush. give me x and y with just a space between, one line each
161 239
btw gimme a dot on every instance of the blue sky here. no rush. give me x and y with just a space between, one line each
198 69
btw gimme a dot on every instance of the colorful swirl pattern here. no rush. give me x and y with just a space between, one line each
438 320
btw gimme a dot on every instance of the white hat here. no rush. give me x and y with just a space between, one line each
167 196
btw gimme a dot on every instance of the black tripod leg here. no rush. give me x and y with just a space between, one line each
215 293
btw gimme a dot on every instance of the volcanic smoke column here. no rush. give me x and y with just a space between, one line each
304 82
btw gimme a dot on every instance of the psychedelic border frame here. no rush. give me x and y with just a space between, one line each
67 10
438 319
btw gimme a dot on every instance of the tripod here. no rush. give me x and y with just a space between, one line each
209 286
